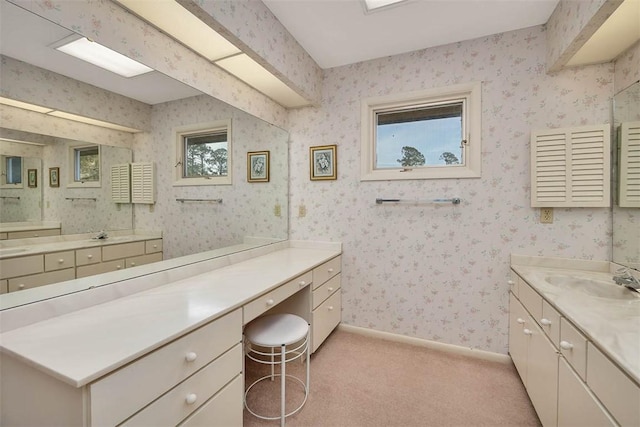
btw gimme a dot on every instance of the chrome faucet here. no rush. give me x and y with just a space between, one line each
624 277
102 235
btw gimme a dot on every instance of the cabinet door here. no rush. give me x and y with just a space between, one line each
517 339
222 410
542 376
576 405
325 318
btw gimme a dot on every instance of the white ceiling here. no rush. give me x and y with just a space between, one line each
339 32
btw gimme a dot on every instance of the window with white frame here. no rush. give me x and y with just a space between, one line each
12 171
84 170
203 154
422 135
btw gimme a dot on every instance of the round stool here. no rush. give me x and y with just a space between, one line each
290 335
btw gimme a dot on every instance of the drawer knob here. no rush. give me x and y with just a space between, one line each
21 286
566 345
545 322
270 302
520 320
118 267
61 260
191 399
133 264
191 356
90 256
511 282
330 289
155 246
302 283
330 270
330 308
36 235
527 331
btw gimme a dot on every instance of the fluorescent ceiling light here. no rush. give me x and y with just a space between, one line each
103 57
256 76
371 5
178 22
22 142
24 105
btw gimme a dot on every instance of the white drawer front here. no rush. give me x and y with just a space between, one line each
152 246
123 250
3 287
88 256
325 318
531 300
615 390
35 280
33 233
261 304
550 322
573 346
223 410
59 260
513 282
14 267
326 271
142 381
188 396
103 267
326 290
143 259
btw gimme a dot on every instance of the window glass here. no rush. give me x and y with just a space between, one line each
206 154
13 170
87 164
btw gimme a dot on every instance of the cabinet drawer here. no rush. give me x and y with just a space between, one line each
573 346
550 323
59 260
261 304
123 250
3 287
513 282
4 236
174 406
152 246
14 267
531 300
35 280
326 271
88 256
161 370
33 233
325 318
326 290
616 391
104 267
223 410
143 259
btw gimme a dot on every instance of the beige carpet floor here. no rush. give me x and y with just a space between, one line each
363 381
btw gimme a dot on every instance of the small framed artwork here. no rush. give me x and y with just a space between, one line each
32 178
54 177
323 162
258 166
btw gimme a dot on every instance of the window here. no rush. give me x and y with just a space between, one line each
13 170
85 170
422 135
203 154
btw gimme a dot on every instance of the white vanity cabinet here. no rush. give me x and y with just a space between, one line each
46 232
326 301
569 380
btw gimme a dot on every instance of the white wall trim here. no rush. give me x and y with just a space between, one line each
450 348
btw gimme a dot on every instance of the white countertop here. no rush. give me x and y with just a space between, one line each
84 345
8 227
613 325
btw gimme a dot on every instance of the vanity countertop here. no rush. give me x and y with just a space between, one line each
107 336
40 245
611 323
8 227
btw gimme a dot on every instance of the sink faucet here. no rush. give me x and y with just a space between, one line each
624 277
102 235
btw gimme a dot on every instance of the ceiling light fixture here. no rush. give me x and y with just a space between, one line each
371 5
19 141
103 57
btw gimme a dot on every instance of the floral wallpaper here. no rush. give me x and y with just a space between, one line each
439 272
28 206
247 208
627 68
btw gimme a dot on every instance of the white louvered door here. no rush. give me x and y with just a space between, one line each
142 183
120 183
629 165
570 167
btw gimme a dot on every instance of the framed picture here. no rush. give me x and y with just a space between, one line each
32 178
258 166
323 162
54 177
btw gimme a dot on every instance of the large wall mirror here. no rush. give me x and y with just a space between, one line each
626 206
153 106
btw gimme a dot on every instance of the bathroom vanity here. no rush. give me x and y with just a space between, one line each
25 230
29 263
574 337
164 348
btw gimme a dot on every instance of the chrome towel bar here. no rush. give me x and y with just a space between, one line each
454 200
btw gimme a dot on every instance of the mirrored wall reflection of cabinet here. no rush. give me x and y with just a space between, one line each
133 183
629 165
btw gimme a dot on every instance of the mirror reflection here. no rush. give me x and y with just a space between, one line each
191 219
626 209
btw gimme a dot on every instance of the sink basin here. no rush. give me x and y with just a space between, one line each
11 251
596 288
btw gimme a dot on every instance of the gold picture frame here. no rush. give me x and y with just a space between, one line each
258 166
54 177
323 162
32 178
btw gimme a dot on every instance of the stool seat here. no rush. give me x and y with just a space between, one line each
275 330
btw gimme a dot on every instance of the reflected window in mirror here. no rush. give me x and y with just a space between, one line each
12 170
86 166
203 154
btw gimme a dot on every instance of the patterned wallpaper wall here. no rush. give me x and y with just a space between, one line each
247 208
627 68
28 207
440 272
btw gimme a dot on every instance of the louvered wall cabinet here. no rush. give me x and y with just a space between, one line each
142 183
629 165
571 167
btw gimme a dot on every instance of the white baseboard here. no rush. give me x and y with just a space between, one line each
464 351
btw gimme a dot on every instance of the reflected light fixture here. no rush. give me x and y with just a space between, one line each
96 54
